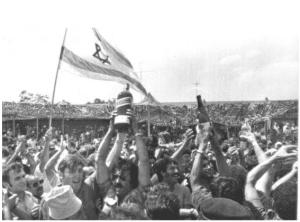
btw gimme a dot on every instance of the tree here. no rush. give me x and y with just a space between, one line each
97 101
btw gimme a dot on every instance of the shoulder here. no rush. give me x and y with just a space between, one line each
181 188
90 180
199 195
30 197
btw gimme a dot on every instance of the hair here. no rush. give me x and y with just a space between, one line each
239 173
154 142
5 152
161 166
124 164
16 167
125 212
227 187
70 161
285 200
159 188
72 144
282 168
162 206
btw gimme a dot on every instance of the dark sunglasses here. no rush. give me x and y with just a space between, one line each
35 184
123 178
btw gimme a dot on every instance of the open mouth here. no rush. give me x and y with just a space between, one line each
76 181
118 186
175 175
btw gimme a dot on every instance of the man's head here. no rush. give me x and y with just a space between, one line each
162 206
186 157
167 171
207 171
127 212
71 171
222 209
35 185
13 178
285 200
227 187
124 177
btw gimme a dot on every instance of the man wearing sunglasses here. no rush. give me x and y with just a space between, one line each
35 186
120 180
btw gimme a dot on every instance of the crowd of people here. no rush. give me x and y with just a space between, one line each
116 175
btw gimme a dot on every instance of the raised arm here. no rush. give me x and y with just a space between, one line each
50 166
31 161
222 165
251 193
144 166
188 137
102 170
115 152
195 179
265 182
287 177
45 151
18 150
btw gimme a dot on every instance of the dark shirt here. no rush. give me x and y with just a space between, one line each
86 195
91 181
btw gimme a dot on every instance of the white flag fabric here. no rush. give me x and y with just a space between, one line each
90 55
149 100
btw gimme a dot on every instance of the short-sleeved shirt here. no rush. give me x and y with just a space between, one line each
184 195
28 203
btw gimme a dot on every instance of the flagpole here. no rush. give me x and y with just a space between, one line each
58 66
148 109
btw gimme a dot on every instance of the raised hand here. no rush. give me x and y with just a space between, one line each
35 211
111 122
286 151
62 145
48 135
203 135
250 137
134 124
189 134
9 201
295 166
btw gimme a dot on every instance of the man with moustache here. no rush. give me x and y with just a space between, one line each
126 181
35 186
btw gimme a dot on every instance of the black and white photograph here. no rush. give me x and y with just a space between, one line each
149 110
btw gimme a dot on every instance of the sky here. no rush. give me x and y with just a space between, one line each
223 50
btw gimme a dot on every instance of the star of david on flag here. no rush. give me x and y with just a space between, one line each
90 55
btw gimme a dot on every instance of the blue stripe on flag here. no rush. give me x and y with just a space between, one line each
77 62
